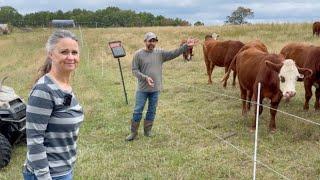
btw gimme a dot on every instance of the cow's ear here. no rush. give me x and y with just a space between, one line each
273 66
305 71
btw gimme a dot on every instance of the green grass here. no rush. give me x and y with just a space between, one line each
190 115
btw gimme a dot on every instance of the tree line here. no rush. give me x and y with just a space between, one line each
108 17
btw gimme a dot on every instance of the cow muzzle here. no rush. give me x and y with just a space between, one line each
289 94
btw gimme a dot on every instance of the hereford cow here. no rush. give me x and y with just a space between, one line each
4 29
306 56
277 76
213 36
187 55
316 28
220 53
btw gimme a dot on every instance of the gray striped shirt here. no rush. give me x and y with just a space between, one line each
52 130
149 64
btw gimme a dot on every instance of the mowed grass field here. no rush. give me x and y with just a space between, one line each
191 116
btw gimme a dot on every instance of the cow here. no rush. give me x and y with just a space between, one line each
306 56
213 36
255 44
187 55
220 53
276 74
4 29
316 28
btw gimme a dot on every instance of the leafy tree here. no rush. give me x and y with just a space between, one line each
107 17
180 22
59 15
198 23
41 18
238 16
9 15
82 16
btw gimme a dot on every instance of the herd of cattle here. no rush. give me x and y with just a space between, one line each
252 63
277 73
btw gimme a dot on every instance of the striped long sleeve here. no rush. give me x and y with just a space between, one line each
52 129
39 109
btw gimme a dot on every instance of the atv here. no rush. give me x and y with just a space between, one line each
12 122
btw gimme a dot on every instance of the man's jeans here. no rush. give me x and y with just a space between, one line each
141 99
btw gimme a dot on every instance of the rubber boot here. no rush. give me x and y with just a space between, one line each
147 128
134 130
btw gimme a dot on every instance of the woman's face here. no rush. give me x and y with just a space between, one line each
65 55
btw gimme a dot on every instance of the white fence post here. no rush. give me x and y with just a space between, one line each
81 36
256 134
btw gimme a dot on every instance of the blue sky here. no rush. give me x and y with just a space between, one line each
208 11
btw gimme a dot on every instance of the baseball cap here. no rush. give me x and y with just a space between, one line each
150 35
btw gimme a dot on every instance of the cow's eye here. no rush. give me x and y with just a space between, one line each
282 79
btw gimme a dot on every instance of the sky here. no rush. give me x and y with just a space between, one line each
210 12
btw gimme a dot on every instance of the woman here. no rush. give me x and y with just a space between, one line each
53 113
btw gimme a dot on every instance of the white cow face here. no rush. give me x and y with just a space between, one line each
215 36
288 75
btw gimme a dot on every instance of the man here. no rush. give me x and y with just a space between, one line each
147 67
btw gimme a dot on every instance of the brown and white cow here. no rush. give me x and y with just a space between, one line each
187 55
276 74
306 56
316 28
220 53
213 36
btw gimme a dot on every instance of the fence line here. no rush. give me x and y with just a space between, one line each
227 142
219 137
235 147
239 99
81 36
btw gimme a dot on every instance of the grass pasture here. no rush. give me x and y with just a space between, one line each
190 115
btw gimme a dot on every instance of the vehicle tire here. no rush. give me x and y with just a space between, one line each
5 151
